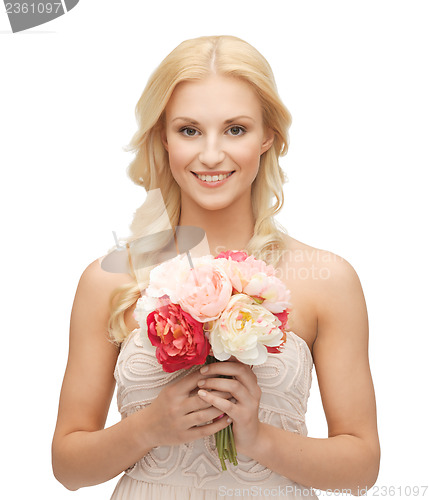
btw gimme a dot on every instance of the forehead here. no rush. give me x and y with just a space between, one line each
214 96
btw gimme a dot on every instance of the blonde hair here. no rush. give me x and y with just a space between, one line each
195 59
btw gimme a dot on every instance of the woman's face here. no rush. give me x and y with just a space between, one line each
214 136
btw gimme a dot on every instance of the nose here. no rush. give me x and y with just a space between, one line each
211 153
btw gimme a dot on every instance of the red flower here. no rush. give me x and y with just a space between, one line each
178 337
237 256
283 316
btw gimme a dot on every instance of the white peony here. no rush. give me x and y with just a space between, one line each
243 330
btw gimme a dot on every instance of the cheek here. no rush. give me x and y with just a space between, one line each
247 155
179 155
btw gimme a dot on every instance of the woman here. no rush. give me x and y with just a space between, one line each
211 130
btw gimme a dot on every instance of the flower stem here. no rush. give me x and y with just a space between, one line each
224 438
232 443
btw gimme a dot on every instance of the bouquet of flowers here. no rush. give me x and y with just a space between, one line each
223 306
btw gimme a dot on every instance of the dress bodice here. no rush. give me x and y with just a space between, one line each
285 381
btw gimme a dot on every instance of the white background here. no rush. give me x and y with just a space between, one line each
354 76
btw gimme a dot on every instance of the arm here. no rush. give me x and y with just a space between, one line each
83 452
349 457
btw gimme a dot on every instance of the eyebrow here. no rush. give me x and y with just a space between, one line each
226 122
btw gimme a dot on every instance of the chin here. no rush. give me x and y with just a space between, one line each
223 204
215 207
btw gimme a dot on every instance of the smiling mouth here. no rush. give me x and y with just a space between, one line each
213 178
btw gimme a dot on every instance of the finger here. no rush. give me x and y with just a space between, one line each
209 429
224 405
235 369
196 403
202 417
221 394
225 395
234 387
186 384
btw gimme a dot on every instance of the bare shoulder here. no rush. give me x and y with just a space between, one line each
95 289
95 275
322 268
320 281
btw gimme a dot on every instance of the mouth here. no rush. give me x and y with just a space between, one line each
213 178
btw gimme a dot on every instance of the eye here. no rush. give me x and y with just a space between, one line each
188 131
236 130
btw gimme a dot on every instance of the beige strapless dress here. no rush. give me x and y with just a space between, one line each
192 471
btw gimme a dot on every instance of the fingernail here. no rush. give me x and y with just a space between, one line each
204 369
229 420
201 382
202 393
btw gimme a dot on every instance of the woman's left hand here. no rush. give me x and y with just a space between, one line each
246 393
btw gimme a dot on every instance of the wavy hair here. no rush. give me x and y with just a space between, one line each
192 60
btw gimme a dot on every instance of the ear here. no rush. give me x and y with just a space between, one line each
164 138
268 140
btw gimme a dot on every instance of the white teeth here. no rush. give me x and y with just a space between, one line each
213 178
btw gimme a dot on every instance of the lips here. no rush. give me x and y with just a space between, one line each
213 176
214 179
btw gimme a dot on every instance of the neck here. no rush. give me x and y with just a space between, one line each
229 228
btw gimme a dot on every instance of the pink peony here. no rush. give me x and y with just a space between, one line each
235 255
168 277
270 290
179 339
206 292
283 317
252 266
256 278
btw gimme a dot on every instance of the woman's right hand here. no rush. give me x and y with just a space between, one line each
178 415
